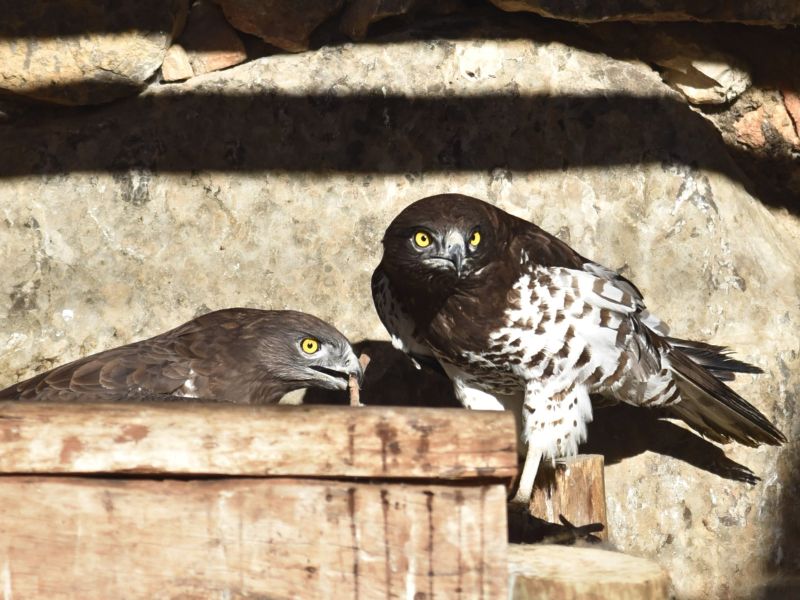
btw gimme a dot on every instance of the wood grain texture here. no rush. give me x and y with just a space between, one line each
216 439
549 572
94 538
575 488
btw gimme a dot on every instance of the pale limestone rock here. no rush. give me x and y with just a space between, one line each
697 69
271 184
76 52
705 78
176 65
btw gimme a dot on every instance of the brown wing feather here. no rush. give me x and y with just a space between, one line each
159 365
543 248
112 374
239 355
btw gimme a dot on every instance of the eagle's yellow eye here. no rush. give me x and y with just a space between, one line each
475 239
309 345
422 239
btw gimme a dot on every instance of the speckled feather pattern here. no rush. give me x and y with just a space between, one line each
565 335
534 327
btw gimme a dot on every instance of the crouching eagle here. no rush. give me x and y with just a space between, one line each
240 355
520 321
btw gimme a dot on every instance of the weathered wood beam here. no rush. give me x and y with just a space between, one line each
215 439
94 538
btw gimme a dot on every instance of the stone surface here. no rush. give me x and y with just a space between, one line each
766 124
791 101
210 42
749 128
764 55
76 52
774 12
286 24
270 184
781 121
703 76
176 65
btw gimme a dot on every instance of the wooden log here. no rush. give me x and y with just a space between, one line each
550 572
93 538
214 439
575 488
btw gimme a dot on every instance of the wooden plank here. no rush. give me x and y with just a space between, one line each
549 572
94 538
330 441
575 488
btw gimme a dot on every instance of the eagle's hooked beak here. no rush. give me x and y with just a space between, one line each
455 250
354 368
358 372
339 369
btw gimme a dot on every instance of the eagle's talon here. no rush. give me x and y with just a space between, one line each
524 528
583 532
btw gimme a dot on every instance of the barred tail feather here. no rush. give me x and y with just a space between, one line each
714 358
710 406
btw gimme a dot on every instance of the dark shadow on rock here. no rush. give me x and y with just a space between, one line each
622 431
29 22
367 134
784 564
377 134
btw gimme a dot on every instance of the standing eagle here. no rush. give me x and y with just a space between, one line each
240 355
520 321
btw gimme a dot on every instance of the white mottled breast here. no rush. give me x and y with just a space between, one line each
569 333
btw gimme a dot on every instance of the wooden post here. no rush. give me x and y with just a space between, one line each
575 488
550 572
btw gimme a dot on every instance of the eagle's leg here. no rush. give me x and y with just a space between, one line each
522 498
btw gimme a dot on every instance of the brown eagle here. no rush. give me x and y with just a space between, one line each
240 355
520 321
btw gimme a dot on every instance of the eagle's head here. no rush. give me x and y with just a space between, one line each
441 241
301 351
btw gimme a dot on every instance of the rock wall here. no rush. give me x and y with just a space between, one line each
270 184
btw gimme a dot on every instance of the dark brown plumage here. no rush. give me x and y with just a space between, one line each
519 320
240 355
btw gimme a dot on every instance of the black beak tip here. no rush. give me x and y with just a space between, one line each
458 261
